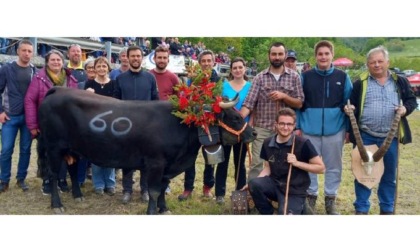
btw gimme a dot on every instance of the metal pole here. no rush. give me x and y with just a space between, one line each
108 50
34 41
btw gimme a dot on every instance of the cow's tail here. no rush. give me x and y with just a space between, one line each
42 162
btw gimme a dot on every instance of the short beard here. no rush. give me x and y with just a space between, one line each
277 64
135 68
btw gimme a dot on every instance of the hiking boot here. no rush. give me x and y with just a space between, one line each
330 207
126 198
4 187
62 185
110 191
144 197
220 200
99 191
46 187
310 204
185 195
207 192
22 185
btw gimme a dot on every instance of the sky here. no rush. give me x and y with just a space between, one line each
217 18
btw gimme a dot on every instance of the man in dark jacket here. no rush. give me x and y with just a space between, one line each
376 96
206 61
135 84
14 82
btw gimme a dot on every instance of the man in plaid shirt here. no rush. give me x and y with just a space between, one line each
272 89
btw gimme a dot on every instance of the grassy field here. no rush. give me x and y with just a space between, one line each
16 202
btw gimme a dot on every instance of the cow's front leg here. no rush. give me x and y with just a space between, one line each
154 180
55 162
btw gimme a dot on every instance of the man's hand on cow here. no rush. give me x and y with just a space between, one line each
4 117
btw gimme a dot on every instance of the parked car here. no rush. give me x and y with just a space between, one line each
409 72
397 71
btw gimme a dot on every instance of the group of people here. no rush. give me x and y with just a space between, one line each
299 118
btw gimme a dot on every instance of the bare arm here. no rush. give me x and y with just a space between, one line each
266 171
315 165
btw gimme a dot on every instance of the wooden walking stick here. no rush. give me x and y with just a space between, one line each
286 199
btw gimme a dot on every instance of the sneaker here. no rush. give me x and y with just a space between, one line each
185 195
46 187
99 191
220 200
207 192
4 187
22 185
62 185
145 197
110 191
126 198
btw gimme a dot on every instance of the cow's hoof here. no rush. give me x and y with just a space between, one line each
58 210
80 199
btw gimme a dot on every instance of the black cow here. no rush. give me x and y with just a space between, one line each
126 134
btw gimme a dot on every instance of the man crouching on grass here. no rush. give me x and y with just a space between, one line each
279 152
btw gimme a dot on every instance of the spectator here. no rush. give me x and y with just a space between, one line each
376 96
14 82
272 89
323 121
206 61
103 178
53 74
135 84
238 84
279 152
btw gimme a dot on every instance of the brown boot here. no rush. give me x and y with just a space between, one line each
330 205
310 203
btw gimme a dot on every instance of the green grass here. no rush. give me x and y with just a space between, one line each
412 49
15 202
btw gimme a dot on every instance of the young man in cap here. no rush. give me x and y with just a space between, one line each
291 60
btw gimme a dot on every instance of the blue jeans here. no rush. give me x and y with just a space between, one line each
81 170
8 137
103 177
387 185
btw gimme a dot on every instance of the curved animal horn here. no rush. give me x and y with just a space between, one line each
230 103
388 140
363 153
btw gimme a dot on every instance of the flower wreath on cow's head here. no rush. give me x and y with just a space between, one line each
198 103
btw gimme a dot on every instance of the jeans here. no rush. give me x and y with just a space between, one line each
103 178
8 137
387 185
264 190
190 177
222 168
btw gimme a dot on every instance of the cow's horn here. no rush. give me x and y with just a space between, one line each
230 103
363 153
388 140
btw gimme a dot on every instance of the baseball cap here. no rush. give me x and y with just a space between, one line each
291 54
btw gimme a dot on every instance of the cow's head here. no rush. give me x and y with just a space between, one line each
234 129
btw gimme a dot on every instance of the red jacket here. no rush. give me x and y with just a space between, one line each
37 90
